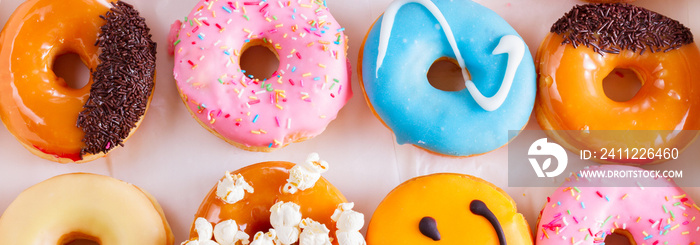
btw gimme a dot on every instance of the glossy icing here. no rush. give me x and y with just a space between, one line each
252 213
445 198
571 95
84 206
460 123
584 211
38 108
305 93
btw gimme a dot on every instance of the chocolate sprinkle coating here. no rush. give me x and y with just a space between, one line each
122 82
612 27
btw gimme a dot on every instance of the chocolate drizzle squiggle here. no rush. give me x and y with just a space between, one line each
428 227
478 207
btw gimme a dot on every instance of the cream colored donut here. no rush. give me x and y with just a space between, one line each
84 206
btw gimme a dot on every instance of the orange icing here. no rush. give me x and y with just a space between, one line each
37 106
571 97
252 213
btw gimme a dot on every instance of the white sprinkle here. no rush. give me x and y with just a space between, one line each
261 92
189 79
303 16
289 125
640 185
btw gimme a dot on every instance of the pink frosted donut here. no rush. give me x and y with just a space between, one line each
303 95
648 211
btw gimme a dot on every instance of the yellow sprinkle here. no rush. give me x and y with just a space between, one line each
210 4
247 114
545 233
310 44
268 19
696 206
666 197
188 34
212 121
305 5
638 219
623 197
324 42
246 30
239 119
322 66
679 197
322 116
306 74
197 21
252 97
285 35
277 46
279 106
255 131
556 231
685 233
213 14
293 50
645 233
675 226
262 131
578 197
277 142
244 11
279 25
194 66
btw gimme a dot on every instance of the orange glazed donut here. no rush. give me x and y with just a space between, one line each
82 206
585 46
64 124
276 203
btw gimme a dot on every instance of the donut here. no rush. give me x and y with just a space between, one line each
297 102
82 206
645 210
65 124
448 208
500 83
572 62
276 203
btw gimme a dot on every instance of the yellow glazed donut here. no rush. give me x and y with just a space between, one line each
84 206
448 208
53 120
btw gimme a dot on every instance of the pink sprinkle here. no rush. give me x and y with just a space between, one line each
218 26
291 82
195 29
278 121
250 3
264 7
253 102
272 99
316 33
686 222
575 219
651 221
205 22
685 199
298 55
230 4
108 145
274 74
600 195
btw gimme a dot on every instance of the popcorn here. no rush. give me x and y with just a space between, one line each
285 218
314 233
268 238
232 188
304 176
348 223
227 233
204 233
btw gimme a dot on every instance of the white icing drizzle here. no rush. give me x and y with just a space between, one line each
511 44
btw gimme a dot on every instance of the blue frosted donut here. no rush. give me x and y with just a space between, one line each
404 43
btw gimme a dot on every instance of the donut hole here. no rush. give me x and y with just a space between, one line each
82 242
446 75
621 84
258 60
71 69
617 239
